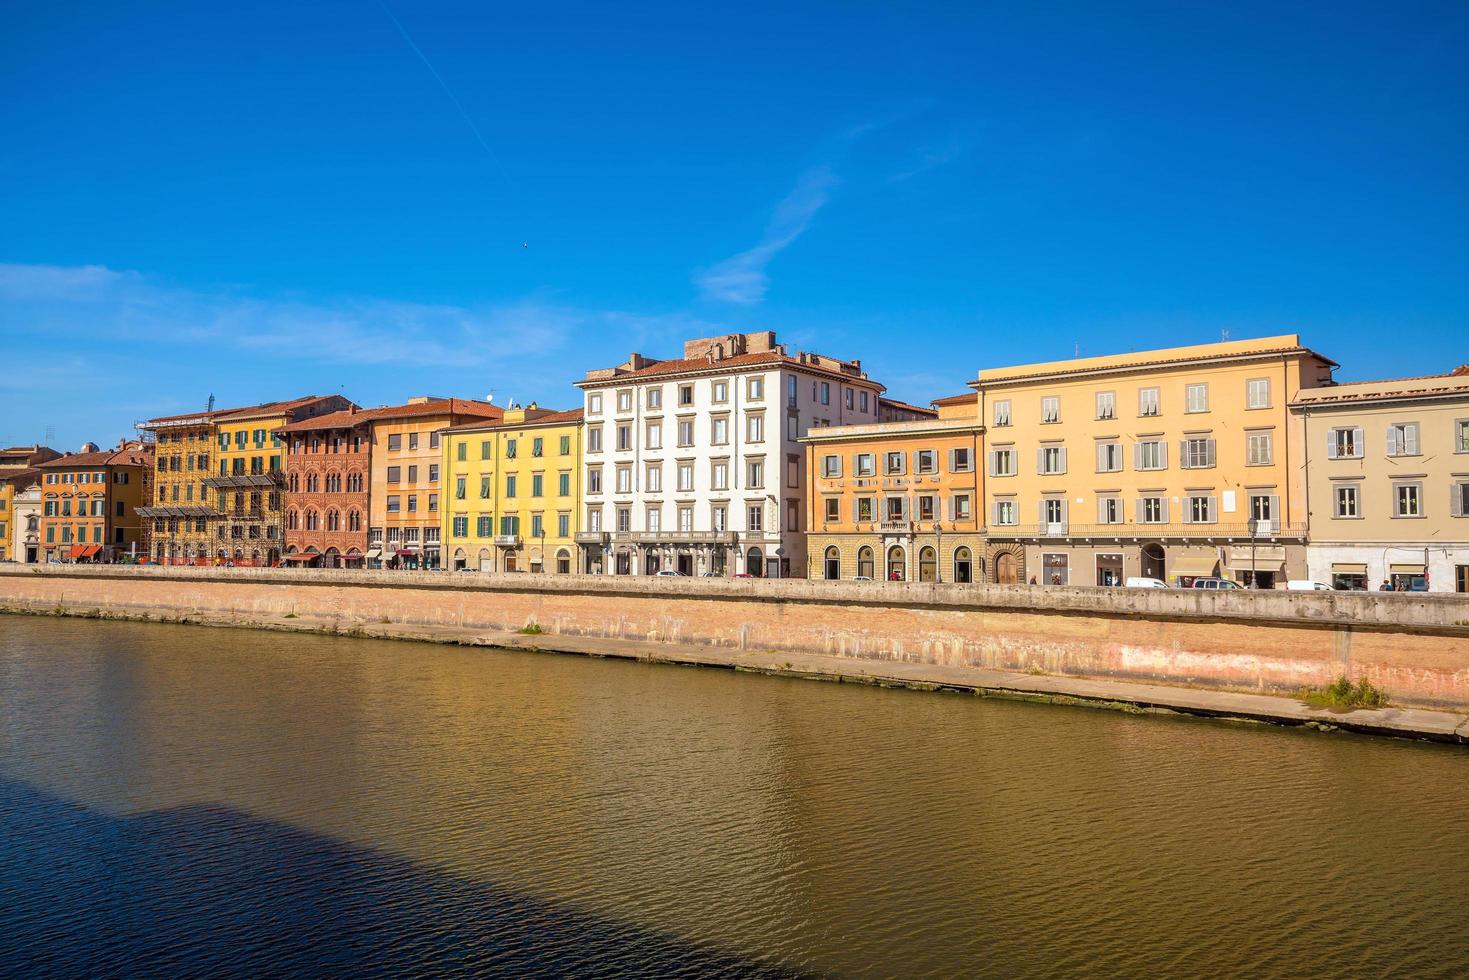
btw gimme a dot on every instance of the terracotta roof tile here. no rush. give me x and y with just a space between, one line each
439 406
104 457
542 417
970 398
733 362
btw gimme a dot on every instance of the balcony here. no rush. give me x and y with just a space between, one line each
674 537
591 537
902 526
242 480
507 541
1240 531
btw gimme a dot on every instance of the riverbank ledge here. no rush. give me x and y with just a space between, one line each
1046 642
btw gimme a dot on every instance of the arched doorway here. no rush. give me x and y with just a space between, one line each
833 564
486 560
563 562
1007 569
864 562
897 569
963 566
509 561
928 565
1152 561
755 563
460 559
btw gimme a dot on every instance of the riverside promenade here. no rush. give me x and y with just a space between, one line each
1215 655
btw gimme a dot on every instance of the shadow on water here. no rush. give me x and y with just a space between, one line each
204 889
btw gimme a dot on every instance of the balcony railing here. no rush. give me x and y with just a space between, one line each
507 540
1238 531
591 537
903 526
670 537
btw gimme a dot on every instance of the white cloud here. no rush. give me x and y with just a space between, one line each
742 278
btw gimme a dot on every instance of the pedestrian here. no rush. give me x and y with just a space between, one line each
1032 580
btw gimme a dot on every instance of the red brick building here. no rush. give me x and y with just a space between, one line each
328 462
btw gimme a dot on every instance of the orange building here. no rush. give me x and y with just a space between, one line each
898 500
90 502
404 486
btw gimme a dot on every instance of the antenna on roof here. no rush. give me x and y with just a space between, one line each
211 402
50 434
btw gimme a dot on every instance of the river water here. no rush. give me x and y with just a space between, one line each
188 800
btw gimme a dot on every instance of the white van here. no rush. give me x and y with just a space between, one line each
1140 582
1307 585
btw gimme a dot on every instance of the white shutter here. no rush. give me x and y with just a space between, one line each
1213 509
1357 440
1041 515
1274 513
1164 514
1040 460
1331 444
951 460
1183 459
1101 510
1410 440
1137 455
1141 514
1212 446
1162 454
1101 457
1456 499
1062 453
1392 441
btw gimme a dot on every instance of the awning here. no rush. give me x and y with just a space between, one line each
375 553
1407 569
405 553
1348 568
77 551
1195 566
352 557
91 550
1265 555
301 557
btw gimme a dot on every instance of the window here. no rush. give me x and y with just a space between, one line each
866 464
1345 443
1002 413
594 404
1150 454
926 461
1347 499
862 401
1106 405
510 484
825 393
1109 510
863 509
594 520
959 506
1198 509
685 432
1407 500
1259 448
1265 509
563 484
1197 453
833 509
719 518
1050 409
413 440
624 438
653 397
460 527
896 509
892 464
719 430
594 479
755 474
719 392
1053 512
413 474
1152 509
1109 457
433 472
685 519
1005 512
412 503
1461 436
565 445
685 395
395 474
755 389
1459 499
719 475
654 480
537 485
484 487
961 460
1051 460
1257 393
1402 439
484 525
831 467
1002 461
624 479
1196 397
654 438
395 441
537 447
791 383
624 400
395 504
624 519
755 428
484 449
563 525
756 515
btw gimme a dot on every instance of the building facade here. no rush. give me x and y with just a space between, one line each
183 517
249 478
404 487
899 500
328 469
695 464
24 508
513 493
1170 464
1387 476
17 475
90 502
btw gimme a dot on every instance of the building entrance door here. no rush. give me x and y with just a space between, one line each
1109 569
31 554
1152 564
686 564
1006 570
509 561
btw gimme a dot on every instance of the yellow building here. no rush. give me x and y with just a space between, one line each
1168 464
249 477
513 494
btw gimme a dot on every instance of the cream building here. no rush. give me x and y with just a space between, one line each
1387 480
1171 464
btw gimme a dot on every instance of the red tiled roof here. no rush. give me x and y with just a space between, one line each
104 457
1456 382
909 407
272 408
542 417
973 396
206 414
437 406
20 476
733 362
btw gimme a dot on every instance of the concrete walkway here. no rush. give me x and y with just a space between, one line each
1442 726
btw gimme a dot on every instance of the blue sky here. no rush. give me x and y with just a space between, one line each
268 199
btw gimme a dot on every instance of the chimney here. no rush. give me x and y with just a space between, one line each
418 400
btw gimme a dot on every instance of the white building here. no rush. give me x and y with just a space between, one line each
694 464
25 522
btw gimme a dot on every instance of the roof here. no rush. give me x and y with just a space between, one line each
906 406
1137 360
435 406
1453 384
735 362
540 418
128 456
205 416
964 399
270 409
891 430
20 476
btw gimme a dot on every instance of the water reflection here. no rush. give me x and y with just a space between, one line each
784 824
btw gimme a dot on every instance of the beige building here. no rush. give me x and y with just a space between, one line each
1387 481
1170 464
897 500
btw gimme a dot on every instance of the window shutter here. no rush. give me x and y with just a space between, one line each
951 460
993 470
1040 460
1062 452
1137 455
1456 499
1065 511
1357 440
1392 441
1101 457
1274 513
1212 452
1163 459
1101 510
1183 459
1041 514
1331 444
1410 439
1141 515
1164 502
1213 510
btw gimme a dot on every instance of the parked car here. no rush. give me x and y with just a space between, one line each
861 578
1222 584
712 575
1143 582
669 573
1307 585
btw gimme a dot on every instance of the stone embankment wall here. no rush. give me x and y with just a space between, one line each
1414 646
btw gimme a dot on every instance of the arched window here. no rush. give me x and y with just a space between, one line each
295 483
832 564
333 521
864 562
354 521
963 566
292 520
928 563
311 520
563 562
897 569
755 563
313 483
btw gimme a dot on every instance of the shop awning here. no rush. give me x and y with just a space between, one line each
301 557
375 553
1349 568
1264 556
405 553
1407 569
92 549
77 551
352 557
1195 566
